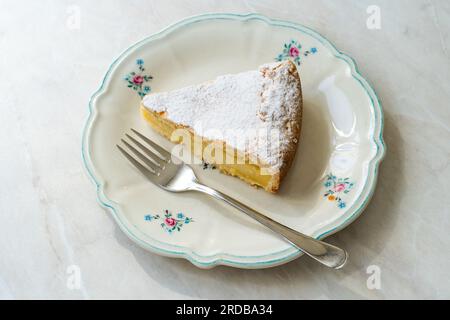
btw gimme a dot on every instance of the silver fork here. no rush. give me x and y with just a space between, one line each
176 176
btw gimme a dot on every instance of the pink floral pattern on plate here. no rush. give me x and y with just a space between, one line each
294 51
336 189
137 80
170 223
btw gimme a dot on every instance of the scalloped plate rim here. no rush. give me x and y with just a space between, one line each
291 253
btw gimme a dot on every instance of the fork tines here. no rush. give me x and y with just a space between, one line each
151 162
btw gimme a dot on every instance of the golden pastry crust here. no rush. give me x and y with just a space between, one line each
296 125
270 180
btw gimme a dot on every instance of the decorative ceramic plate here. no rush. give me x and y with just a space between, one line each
328 186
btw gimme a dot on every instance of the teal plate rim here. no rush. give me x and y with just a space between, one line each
268 260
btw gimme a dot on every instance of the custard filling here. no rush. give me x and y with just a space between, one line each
239 167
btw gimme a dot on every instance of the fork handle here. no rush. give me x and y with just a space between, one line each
325 253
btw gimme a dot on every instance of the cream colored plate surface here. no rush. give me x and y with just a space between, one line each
328 186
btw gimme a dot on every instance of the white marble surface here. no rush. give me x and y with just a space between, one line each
49 217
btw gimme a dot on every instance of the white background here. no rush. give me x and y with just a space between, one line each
49 217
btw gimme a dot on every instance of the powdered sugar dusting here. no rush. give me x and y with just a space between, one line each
233 108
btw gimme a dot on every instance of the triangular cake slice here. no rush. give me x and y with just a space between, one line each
254 116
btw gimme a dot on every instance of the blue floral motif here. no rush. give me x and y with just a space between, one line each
336 187
294 51
136 80
150 217
170 223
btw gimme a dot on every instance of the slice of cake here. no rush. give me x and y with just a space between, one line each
246 124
